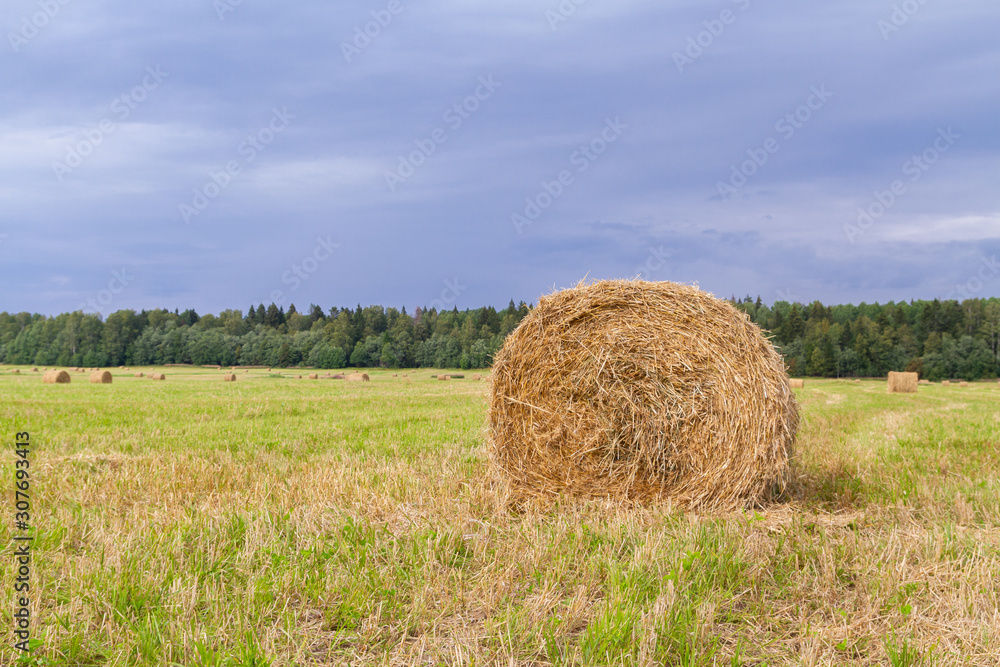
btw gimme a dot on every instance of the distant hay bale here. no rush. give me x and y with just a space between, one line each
56 377
358 377
444 377
963 384
923 382
139 375
640 390
229 377
314 376
157 376
902 383
34 370
475 377
797 384
945 383
16 371
100 377
394 374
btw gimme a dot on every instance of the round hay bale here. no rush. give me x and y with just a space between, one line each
313 376
16 371
901 383
139 375
34 370
229 377
56 377
797 384
443 377
157 376
638 390
100 377
963 384
475 377
945 383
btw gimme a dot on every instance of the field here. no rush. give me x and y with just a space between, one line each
278 521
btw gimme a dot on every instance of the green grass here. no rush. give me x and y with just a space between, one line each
278 521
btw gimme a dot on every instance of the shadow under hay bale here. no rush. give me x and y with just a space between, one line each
100 377
56 377
640 390
902 383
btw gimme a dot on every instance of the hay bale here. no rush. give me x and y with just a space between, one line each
902 383
443 377
56 377
229 377
358 377
16 371
945 383
139 375
100 377
34 370
797 384
475 377
963 384
640 390
923 381
313 376
157 376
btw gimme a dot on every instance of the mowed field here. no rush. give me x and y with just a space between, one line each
285 521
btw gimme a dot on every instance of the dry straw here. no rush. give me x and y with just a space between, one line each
639 390
56 377
902 383
797 384
100 377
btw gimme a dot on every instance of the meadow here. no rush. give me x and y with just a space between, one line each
283 521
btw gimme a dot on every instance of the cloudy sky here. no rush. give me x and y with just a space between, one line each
213 154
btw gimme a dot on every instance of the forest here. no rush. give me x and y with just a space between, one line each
937 339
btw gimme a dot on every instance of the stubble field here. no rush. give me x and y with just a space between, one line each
278 521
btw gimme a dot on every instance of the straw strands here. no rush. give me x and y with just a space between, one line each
640 390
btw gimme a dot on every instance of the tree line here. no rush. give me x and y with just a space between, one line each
937 339
372 336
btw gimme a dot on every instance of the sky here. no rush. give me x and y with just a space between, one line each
214 154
